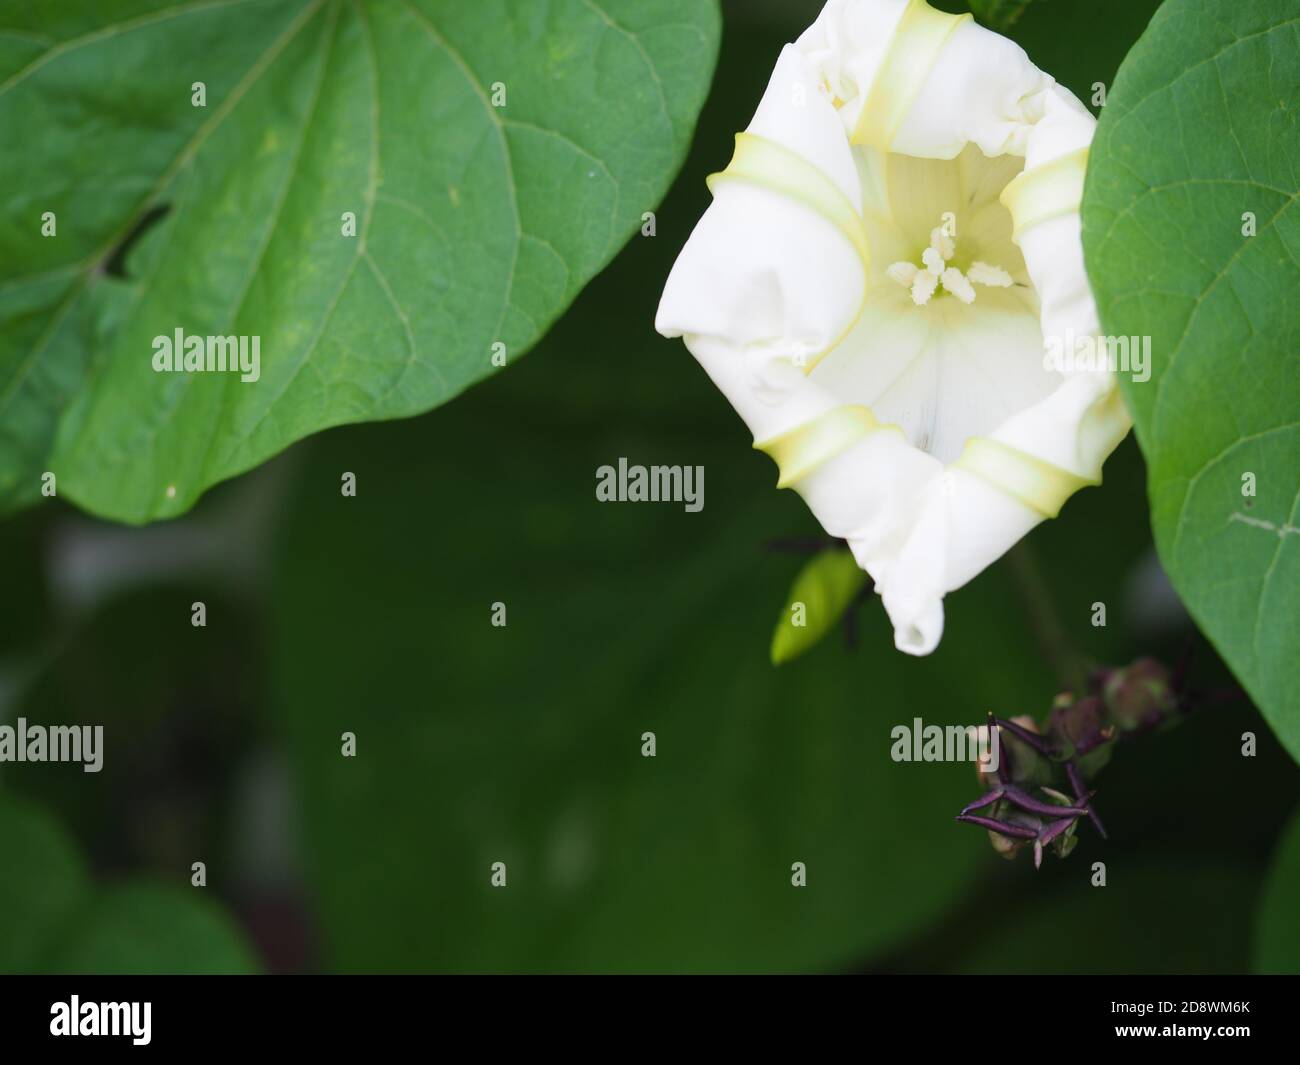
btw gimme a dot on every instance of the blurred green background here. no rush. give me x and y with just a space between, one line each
522 744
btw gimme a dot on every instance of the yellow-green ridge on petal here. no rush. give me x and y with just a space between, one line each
1046 191
763 162
799 451
1038 484
913 49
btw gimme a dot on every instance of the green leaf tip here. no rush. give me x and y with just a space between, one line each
823 590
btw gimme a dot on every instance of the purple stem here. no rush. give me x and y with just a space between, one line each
1032 738
1082 797
1004 760
1001 827
984 800
1031 805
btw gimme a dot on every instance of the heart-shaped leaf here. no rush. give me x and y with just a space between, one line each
387 201
1192 237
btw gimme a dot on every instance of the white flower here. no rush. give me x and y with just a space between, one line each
894 242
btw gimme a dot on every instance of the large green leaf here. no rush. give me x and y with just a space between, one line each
1277 918
56 920
476 224
1201 134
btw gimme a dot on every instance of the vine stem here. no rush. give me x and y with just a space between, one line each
1065 660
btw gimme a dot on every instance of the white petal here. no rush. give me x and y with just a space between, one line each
1075 428
848 41
980 89
1053 252
943 374
1053 249
762 268
860 495
771 396
961 526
